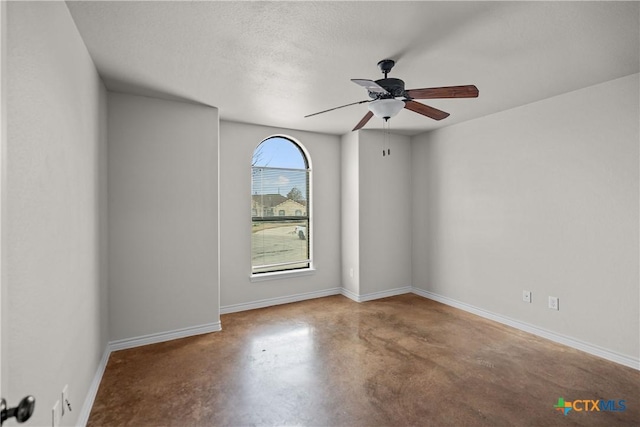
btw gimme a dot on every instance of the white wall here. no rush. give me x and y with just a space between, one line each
56 195
350 212
385 212
544 198
163 216
237 143
376 214
3 193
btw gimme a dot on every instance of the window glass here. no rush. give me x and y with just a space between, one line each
279 207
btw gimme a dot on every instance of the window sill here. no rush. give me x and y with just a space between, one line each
262 277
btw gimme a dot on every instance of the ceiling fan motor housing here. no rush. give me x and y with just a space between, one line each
395 87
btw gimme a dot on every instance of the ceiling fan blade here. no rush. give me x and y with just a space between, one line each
370 85
335 108
364 121
469 91
425 110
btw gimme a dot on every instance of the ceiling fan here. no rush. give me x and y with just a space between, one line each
388 97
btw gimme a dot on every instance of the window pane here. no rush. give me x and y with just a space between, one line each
279 153
279 207
272 186
279 245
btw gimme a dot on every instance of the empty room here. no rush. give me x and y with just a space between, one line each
331 213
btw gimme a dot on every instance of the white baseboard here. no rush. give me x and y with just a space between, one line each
349 294
83 418
553 336
233 308
164 336
375 295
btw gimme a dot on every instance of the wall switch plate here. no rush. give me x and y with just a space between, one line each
55 414
526 296
65 400
553 303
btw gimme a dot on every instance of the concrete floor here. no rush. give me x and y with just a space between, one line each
398 361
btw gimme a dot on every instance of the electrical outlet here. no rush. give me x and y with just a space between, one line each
65 400
55 414
351 272
553 303
526 296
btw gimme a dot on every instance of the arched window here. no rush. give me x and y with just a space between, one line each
280 172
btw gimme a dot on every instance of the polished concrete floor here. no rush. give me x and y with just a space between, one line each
397 361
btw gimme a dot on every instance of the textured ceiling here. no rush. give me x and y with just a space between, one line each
272 63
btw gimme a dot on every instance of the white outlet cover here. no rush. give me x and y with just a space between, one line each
553 303
526 296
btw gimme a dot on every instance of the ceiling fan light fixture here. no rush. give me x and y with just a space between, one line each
386 108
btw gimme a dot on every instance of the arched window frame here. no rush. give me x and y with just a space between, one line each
259 276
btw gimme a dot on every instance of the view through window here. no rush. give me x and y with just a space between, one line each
279 207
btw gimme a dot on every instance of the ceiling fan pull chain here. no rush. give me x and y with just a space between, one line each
384 137
388 138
